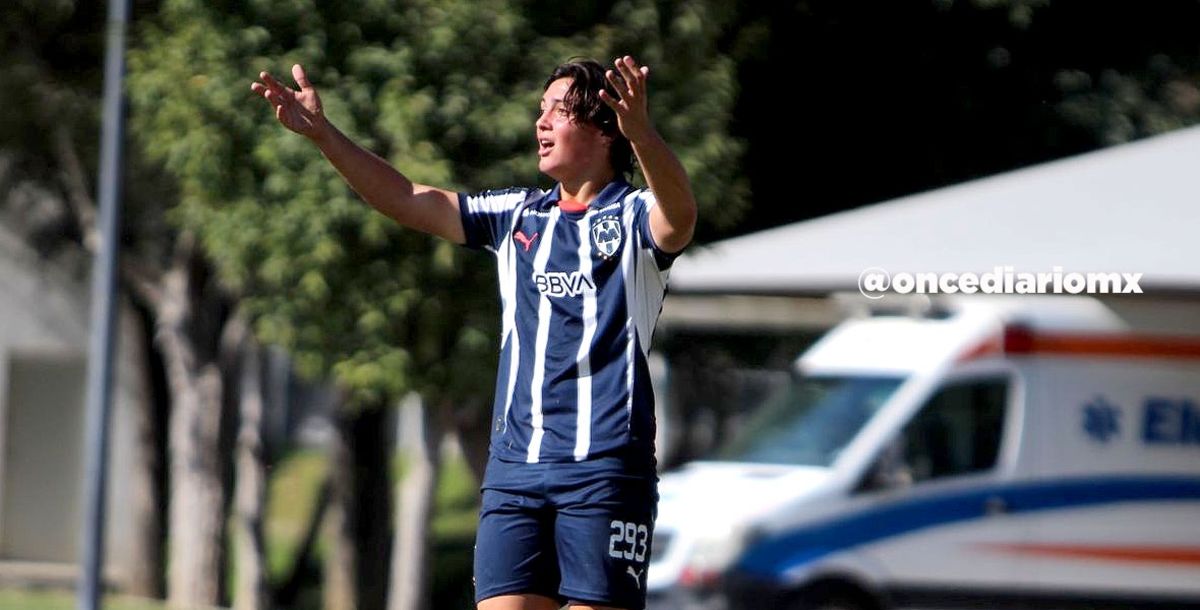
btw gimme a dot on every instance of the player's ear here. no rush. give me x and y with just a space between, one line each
609 141
605 139
606 134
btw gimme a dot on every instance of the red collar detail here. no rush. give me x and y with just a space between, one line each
570 205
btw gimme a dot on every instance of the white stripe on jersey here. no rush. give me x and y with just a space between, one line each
495 204
543 334
507 261
631 235
651 283
583 417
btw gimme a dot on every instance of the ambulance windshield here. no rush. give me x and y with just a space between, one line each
810 421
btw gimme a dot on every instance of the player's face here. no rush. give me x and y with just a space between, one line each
566 149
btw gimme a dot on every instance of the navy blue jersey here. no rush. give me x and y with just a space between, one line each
580 294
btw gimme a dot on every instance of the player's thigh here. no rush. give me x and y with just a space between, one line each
514 550
523 601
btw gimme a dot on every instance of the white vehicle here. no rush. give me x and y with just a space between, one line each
1028 452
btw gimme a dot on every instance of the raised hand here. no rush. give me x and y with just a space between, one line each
299 111
633 115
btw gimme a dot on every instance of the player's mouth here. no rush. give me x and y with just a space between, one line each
544 146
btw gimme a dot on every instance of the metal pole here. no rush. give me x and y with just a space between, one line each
100 352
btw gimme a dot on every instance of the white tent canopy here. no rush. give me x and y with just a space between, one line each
1132 208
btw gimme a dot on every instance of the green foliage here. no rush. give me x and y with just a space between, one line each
1144 82
51 68
446 92
57 600
292 495
1121 106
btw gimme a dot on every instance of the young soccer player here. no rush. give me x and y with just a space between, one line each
570 491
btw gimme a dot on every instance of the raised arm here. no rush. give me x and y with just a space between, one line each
424 208
673 220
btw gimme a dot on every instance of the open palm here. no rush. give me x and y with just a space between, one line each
299 111
633 115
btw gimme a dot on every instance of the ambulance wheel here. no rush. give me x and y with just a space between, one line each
831 604
832 598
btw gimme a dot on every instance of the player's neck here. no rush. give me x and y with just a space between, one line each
585 189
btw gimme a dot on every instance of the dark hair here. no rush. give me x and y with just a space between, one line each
585 106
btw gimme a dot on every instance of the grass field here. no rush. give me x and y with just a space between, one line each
54 600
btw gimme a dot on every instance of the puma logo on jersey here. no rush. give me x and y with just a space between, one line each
637 575
525 241
562 284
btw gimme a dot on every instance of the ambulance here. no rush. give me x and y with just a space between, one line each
967 452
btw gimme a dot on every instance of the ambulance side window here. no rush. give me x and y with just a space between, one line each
957 432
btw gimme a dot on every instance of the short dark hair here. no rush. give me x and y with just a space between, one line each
585 106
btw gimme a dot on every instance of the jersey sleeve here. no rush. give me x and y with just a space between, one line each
487 216
645 202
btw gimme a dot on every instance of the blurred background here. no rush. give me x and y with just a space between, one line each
303 391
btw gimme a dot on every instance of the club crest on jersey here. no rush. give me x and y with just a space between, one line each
606 235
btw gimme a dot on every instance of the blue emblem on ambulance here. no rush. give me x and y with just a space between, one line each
1101 420
606 236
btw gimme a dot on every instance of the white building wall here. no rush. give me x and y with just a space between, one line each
44 337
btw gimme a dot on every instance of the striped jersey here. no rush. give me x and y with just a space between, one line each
580 293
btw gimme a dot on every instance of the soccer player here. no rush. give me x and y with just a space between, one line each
570 490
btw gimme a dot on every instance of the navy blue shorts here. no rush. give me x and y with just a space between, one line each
573 532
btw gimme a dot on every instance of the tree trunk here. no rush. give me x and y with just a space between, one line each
196 515
410 581
356 573
251 487
147 501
